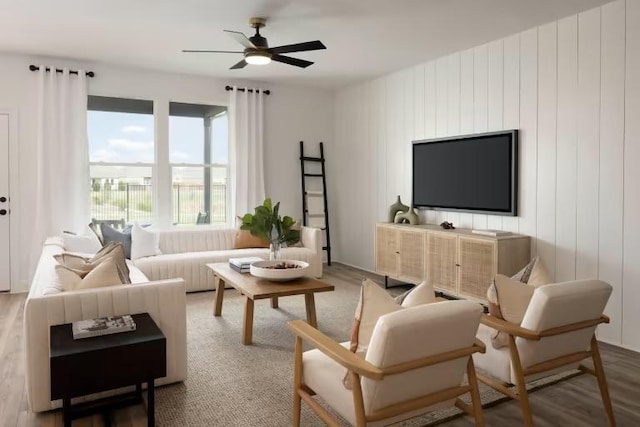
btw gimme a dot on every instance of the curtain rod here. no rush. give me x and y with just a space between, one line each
58 70
242 89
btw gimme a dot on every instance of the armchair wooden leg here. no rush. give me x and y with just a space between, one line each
297 383
475 393
602 381
358 401
520 383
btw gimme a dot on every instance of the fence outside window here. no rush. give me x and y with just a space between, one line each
134 202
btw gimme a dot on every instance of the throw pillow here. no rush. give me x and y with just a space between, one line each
105 274
533 274
144 242
246 240
86 242
376 302
110 234
419 294
82 266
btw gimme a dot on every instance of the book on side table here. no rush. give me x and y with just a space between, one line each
242 265
103 326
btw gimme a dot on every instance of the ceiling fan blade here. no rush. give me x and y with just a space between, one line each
291 61
240 64
240 38
298 47
212 51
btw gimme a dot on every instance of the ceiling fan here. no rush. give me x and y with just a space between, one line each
257 51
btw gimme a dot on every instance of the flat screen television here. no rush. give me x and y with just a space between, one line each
470 173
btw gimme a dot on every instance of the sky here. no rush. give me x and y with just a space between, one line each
128 138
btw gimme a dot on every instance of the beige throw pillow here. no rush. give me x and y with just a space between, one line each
82 266
530 277
376 302
104 274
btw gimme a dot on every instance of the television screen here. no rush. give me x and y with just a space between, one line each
473 173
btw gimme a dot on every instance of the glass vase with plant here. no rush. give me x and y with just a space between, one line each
267 224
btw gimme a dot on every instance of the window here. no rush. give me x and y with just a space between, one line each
198 152
121 156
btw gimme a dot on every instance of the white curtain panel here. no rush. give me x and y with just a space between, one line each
62 155
246 137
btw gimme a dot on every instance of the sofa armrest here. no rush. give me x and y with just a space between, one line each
164 300
311 238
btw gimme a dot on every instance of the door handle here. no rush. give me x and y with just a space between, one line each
3 199
3 211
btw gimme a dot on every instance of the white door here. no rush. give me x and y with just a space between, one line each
5 274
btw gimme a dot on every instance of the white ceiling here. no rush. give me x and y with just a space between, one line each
364 38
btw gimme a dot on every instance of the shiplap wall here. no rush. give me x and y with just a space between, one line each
572 88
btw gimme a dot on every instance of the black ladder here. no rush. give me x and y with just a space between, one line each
307 216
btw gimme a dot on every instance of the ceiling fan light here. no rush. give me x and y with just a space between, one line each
257 58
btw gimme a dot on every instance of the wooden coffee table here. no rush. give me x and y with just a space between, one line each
254 288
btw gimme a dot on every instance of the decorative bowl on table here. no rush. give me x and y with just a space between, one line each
281 270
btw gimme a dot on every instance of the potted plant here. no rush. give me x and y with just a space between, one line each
267 224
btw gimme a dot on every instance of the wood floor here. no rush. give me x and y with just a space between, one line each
574 402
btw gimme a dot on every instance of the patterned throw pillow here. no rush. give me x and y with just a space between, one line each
510 304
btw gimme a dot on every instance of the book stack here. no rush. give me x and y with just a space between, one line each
243 265
103 326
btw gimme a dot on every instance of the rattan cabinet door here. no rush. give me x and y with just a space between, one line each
441 261
386 250
477 259
411 259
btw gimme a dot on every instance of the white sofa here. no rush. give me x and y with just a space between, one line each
164 300
185 254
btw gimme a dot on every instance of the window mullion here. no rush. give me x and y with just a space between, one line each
162 169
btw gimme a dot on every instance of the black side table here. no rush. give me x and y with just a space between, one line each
92 365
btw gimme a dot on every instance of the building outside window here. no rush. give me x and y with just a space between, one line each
122 148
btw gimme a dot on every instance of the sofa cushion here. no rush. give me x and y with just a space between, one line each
104 274
82 265
144 243
197 240
244 239
86 242
110 234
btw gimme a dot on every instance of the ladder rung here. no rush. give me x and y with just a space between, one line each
315 215
312 174
315 193
324 248
312 159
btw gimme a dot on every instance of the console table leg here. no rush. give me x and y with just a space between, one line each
274 302
66 411
386 282
151 404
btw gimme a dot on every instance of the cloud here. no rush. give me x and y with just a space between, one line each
179 156
128 145
133 129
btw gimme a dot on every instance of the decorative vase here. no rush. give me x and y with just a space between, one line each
395 208
410 216
274 250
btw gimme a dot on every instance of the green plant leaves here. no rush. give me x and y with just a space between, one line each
267 224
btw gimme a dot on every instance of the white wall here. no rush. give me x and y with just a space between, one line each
572 87
291 114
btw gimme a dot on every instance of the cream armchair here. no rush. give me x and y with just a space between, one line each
556 334
415 363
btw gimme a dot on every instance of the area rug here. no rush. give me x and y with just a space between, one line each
230 384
